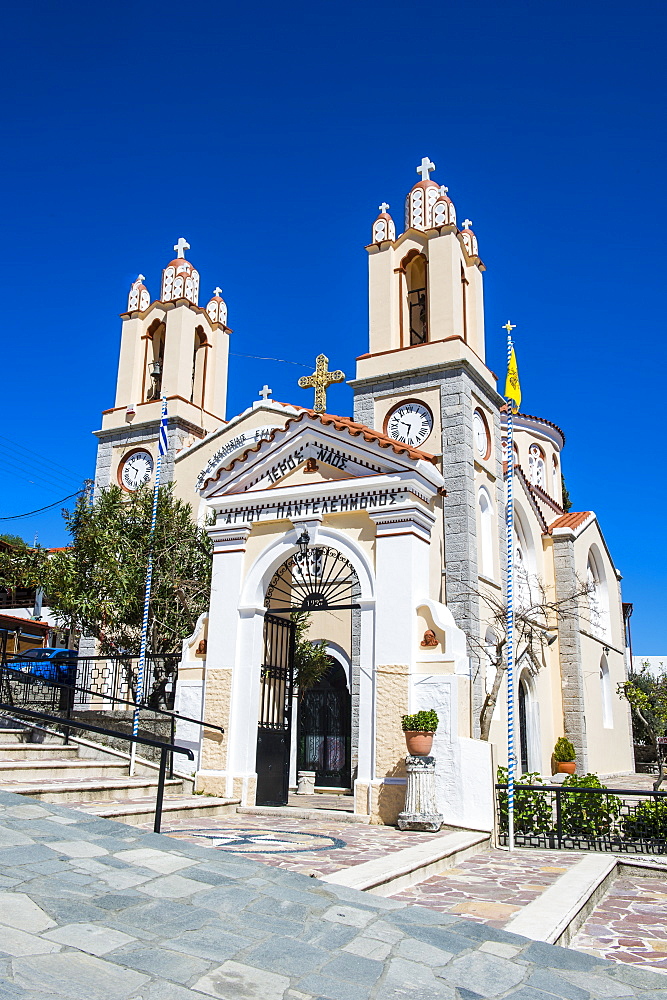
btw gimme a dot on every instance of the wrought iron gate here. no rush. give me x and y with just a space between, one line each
275 710
325 728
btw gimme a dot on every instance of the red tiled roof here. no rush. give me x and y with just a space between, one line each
339 423
573 519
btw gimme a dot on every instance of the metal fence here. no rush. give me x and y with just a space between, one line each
114 679
585 819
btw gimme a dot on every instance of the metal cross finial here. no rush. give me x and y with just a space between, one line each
383 207
443 190
320 381
425 167
217 290
265 392
467 223
181 247
509 327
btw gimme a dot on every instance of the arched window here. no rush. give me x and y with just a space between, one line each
198 367
536 466
598 603
155 361
417 308
605 695
523 562
486 561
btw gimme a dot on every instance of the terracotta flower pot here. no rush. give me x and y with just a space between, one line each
419 743
566 766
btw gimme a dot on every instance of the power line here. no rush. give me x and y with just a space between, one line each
40 509
282 360
13 446
10 463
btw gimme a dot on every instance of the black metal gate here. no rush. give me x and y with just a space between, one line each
275 711
325 729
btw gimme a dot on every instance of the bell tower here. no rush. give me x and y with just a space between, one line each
424 380
169 346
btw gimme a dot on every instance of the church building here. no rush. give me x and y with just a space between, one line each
387 526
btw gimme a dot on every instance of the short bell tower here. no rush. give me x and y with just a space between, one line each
170 346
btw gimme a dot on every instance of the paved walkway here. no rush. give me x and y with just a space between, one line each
94 910
630 923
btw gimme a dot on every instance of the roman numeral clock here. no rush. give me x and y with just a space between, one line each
410 423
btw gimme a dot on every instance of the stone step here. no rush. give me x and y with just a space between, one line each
91 790
12 735
392 872
36 751
59 770
174 807
335 815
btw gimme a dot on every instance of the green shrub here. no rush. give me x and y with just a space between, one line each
420 722
647 822
532 809
564 750
588 815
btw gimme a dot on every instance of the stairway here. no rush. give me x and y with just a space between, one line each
87 776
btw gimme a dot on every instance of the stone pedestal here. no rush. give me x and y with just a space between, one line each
305 783
420 812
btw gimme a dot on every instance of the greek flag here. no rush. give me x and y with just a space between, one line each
163 443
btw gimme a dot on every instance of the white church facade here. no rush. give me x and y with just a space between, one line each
387 526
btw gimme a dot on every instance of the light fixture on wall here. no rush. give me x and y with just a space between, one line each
303 541
605 650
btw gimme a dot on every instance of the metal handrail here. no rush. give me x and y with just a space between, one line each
164 748
113 698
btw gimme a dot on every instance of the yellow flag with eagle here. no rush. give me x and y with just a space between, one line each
512 385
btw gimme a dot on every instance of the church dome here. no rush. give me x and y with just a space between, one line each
421 202
383 227
217 308
180 279
139 298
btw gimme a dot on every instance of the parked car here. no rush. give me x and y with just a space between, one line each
51 663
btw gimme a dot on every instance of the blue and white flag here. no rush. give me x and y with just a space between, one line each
163 443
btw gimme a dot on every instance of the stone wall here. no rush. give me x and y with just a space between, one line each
569 646
392 685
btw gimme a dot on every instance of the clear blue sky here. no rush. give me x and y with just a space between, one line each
267 134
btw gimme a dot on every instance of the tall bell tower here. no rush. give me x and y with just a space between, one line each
424 379
169 346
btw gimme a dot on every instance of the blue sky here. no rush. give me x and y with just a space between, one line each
267 135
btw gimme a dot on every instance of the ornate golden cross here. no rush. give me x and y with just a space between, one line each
320 381
509 327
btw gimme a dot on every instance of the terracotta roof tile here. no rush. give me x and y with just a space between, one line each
573 519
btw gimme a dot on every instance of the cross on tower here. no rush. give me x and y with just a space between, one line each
383 207
141 277
443 190
320 381
509 327
265 392
217 290
425 167
181 247
467 223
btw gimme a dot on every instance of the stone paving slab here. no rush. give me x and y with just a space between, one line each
230 927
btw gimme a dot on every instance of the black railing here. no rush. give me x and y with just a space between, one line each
627 821
22 689
164 748
115 678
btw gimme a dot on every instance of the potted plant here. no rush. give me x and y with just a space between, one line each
419 729
564 755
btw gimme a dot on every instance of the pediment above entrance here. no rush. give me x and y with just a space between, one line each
315 449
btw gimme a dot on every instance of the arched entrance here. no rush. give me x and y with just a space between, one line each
319 580
325 729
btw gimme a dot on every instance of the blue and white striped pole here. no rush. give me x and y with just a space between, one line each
162 450
510 609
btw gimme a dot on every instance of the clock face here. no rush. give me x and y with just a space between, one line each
481 434
410 423
136 470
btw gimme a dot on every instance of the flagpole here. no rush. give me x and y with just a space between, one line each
147 593
510 602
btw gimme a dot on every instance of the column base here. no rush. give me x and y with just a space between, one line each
420 821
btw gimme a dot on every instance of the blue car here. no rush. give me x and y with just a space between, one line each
50 663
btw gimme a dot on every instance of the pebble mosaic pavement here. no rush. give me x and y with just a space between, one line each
94 910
